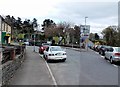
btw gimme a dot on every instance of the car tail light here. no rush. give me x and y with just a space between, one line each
117 54
41 47
64 53
51 54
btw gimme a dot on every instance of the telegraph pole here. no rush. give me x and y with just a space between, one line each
85 29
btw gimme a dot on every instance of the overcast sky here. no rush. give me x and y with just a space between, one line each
100 13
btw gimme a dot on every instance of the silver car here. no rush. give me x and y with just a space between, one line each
113 54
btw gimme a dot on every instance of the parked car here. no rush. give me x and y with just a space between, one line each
102 49
26 43
98 48
113 54
54 53
43 47
94 47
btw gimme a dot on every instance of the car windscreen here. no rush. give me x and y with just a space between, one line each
56 49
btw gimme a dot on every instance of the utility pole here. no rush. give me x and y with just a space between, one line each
34 37
85 29
34 43
80 39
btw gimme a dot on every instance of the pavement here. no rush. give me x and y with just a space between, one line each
33 71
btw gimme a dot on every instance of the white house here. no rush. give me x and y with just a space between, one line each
0 29
5 31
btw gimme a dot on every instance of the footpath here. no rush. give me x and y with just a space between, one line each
33 71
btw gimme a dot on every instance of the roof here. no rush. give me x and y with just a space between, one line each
1 17
4 20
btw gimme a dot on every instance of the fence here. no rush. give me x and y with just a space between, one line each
11 62
9 52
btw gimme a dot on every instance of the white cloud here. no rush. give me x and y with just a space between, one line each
27 8
100 14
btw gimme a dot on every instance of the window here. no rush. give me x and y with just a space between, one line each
117 49
110 49
56 49
47 48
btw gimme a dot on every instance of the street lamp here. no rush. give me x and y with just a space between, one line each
85 29
34 36
73 38
85 21
34 43
64 34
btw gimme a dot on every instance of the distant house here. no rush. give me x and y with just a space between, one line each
5 32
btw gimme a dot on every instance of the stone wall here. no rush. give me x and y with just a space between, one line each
9 68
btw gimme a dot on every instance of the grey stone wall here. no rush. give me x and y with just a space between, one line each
10 67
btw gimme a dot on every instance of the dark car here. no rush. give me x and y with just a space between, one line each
98 48
43 47
94 47
102 49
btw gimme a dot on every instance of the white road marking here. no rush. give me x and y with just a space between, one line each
112 64
107 60
102 57
115 65
96 52
53 78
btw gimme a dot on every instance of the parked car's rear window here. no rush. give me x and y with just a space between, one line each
45 44
118 49
56 49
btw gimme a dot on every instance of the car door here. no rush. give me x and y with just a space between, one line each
46 51
106 53
109 52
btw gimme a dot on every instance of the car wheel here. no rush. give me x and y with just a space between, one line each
111 60
40 52
106 58
99 52
63 60
47 60
102 53
44 56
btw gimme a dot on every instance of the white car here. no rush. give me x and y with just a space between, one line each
54 53
26 43
113 54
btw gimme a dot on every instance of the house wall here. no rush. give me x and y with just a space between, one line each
5 31
0 30
8 32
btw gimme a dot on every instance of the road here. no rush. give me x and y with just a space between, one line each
80 68
84 68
